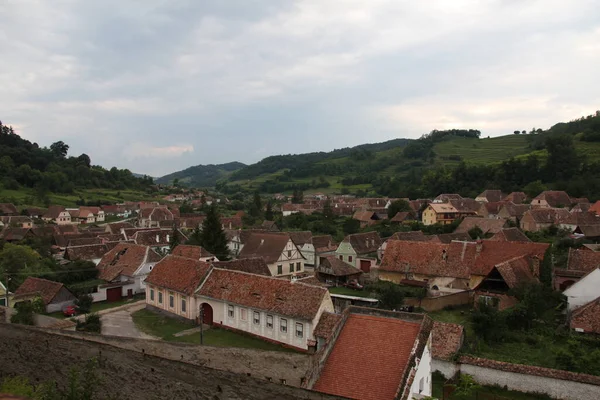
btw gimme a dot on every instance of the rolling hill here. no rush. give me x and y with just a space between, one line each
202 175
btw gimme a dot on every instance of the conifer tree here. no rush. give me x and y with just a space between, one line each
213 237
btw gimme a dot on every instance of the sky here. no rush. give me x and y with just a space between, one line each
156 86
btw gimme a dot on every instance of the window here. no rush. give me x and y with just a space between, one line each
151 294
159 297
289 254
244 314
270 321
279 269
171 300
230 311
298 266
291 267
421 385
342 258
256 317
283 325
183 305
349 258
299 330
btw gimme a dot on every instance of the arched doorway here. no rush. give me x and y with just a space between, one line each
207 313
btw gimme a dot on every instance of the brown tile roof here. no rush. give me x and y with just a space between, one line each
180 274
364 216
446 341
269 225
54 211
193 252
44 230
45 288
149 237
300 237
510 235
461 259
579 200
449 237
590 231
552 216
13 234
311 280
324 243
89 252
587 317
443 208
34 211
111 237
269 294
232 223
84 241
516 271
416 205
554 198
256 266
327 324
516 197
445 197
269 246
364 243
361 365
116 227
403 216
125 259
414 236
161 213
516 210
63 240
487 225
8 208
492 195
17 219
466 205
493 207
334 266
583 260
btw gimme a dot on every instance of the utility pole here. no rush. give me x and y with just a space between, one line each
201 323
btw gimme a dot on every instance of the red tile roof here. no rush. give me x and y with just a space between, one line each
587 317
364 216
492 195
583 260
269 294
554 198
180 274
269 246
125 259
324 243
8 208
516 197
361 365
364 243
461 259
517 271
45 288
193 252
89 252
414 236
334 266
447 339
487 225
327 324
256 266
510 235
300 237
516 210
117 226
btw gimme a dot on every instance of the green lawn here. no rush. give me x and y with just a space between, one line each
102 305
165 328
350 292
485 392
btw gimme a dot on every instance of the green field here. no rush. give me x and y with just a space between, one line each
481 151
27 198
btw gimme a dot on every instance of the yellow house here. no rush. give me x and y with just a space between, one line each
442 213
3 301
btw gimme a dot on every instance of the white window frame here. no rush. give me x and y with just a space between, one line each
230 311
299 332
243 314
152 295
269 321
183 305
171 300
256 317
283 325
160 298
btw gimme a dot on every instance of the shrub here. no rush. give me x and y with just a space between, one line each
92 323
84 303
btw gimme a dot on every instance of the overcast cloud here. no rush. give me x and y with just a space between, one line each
157 85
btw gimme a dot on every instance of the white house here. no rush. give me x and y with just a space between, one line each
278 250
584 290
273 309
125 269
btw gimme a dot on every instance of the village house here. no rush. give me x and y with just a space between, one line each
403 217
490 196
156 217
158 239
8 209
194 252
358 248
580 263
377 355
16 221
278 250
54 294
333 271
442 213
89 252
79 216
97 212
319 247
495 287
256 266
586 318
57 214
513 212
116 228
3 295
288 209
231 223
450 237
538 219
552 199
414 236
446 197
584 290
451 267
237 238
125 269
490 209
276 310
446 341
366 218
516 198
487 226
269 226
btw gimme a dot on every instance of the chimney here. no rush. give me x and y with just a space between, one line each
262 241
157 239
168 240
444 255
479 247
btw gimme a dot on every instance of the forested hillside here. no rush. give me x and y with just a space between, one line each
201 175
566 156
50 170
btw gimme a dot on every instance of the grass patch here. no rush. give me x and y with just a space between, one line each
165 328
350 292
102 305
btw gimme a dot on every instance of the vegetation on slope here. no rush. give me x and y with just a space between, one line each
201 175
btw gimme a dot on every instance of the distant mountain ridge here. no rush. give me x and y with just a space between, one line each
202 175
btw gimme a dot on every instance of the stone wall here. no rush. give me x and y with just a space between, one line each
557 384
131 375
438 303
